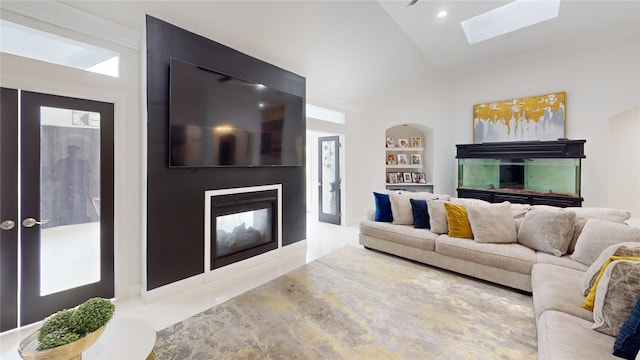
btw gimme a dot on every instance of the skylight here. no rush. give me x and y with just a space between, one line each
39 45
507 18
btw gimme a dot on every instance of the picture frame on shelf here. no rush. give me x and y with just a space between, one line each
416 141
416 159
390 142
414 177
403 143
407 177
422 179
393 178
400 177
391 159
403 159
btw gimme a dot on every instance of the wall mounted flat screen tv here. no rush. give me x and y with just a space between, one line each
218 120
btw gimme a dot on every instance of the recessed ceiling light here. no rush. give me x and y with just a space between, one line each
442 14
507 18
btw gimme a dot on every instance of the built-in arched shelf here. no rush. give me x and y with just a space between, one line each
409 158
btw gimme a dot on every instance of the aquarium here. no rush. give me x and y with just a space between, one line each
547 176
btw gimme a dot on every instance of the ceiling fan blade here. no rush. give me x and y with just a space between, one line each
412 2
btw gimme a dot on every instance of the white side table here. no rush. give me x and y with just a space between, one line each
124 339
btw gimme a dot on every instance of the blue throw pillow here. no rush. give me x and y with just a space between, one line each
420 214
627 343
383 207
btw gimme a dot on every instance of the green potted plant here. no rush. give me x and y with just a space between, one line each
67 333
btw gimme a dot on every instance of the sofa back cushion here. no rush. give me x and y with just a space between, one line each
597 235
492 223
547 229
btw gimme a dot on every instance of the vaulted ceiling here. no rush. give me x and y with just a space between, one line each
361 52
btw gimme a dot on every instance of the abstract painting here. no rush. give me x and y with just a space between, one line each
539 117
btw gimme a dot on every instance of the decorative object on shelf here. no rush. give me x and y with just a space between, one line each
416 159
391 159
416 141
418 178
393 178
403 143
407 177
539 117
390 142
403 159
67 333
400 177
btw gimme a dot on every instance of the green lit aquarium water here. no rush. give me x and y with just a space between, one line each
535 176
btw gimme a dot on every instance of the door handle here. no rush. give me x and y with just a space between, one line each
30 222
7 225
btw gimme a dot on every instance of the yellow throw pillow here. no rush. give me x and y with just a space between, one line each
589 302
458 221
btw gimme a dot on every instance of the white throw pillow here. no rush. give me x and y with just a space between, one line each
401 205
621 249
437 216
492 223
547 229
597 235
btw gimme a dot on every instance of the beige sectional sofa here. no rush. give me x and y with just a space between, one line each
555 280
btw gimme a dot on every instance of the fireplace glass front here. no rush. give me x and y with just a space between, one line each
243 226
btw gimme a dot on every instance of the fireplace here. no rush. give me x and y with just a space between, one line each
242 223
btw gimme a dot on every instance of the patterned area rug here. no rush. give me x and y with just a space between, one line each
360 304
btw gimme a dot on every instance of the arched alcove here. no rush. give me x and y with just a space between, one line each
414 156
624 161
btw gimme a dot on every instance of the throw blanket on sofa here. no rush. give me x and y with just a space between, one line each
360 304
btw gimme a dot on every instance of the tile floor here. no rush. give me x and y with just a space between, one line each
321 239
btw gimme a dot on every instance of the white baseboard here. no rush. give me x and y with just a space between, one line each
295 254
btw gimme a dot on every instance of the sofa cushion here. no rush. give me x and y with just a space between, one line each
557 288
563 336
401 205
383 207
492 223
591 297
564 261
510 257
627 343
597 235
621 249
458 221
437 216
585 213
616 294
420 214
602 213
401 234
547 230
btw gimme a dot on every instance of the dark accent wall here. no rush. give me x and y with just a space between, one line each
175 197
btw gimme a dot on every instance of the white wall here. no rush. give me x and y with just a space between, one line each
601 76
431 105
624 164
